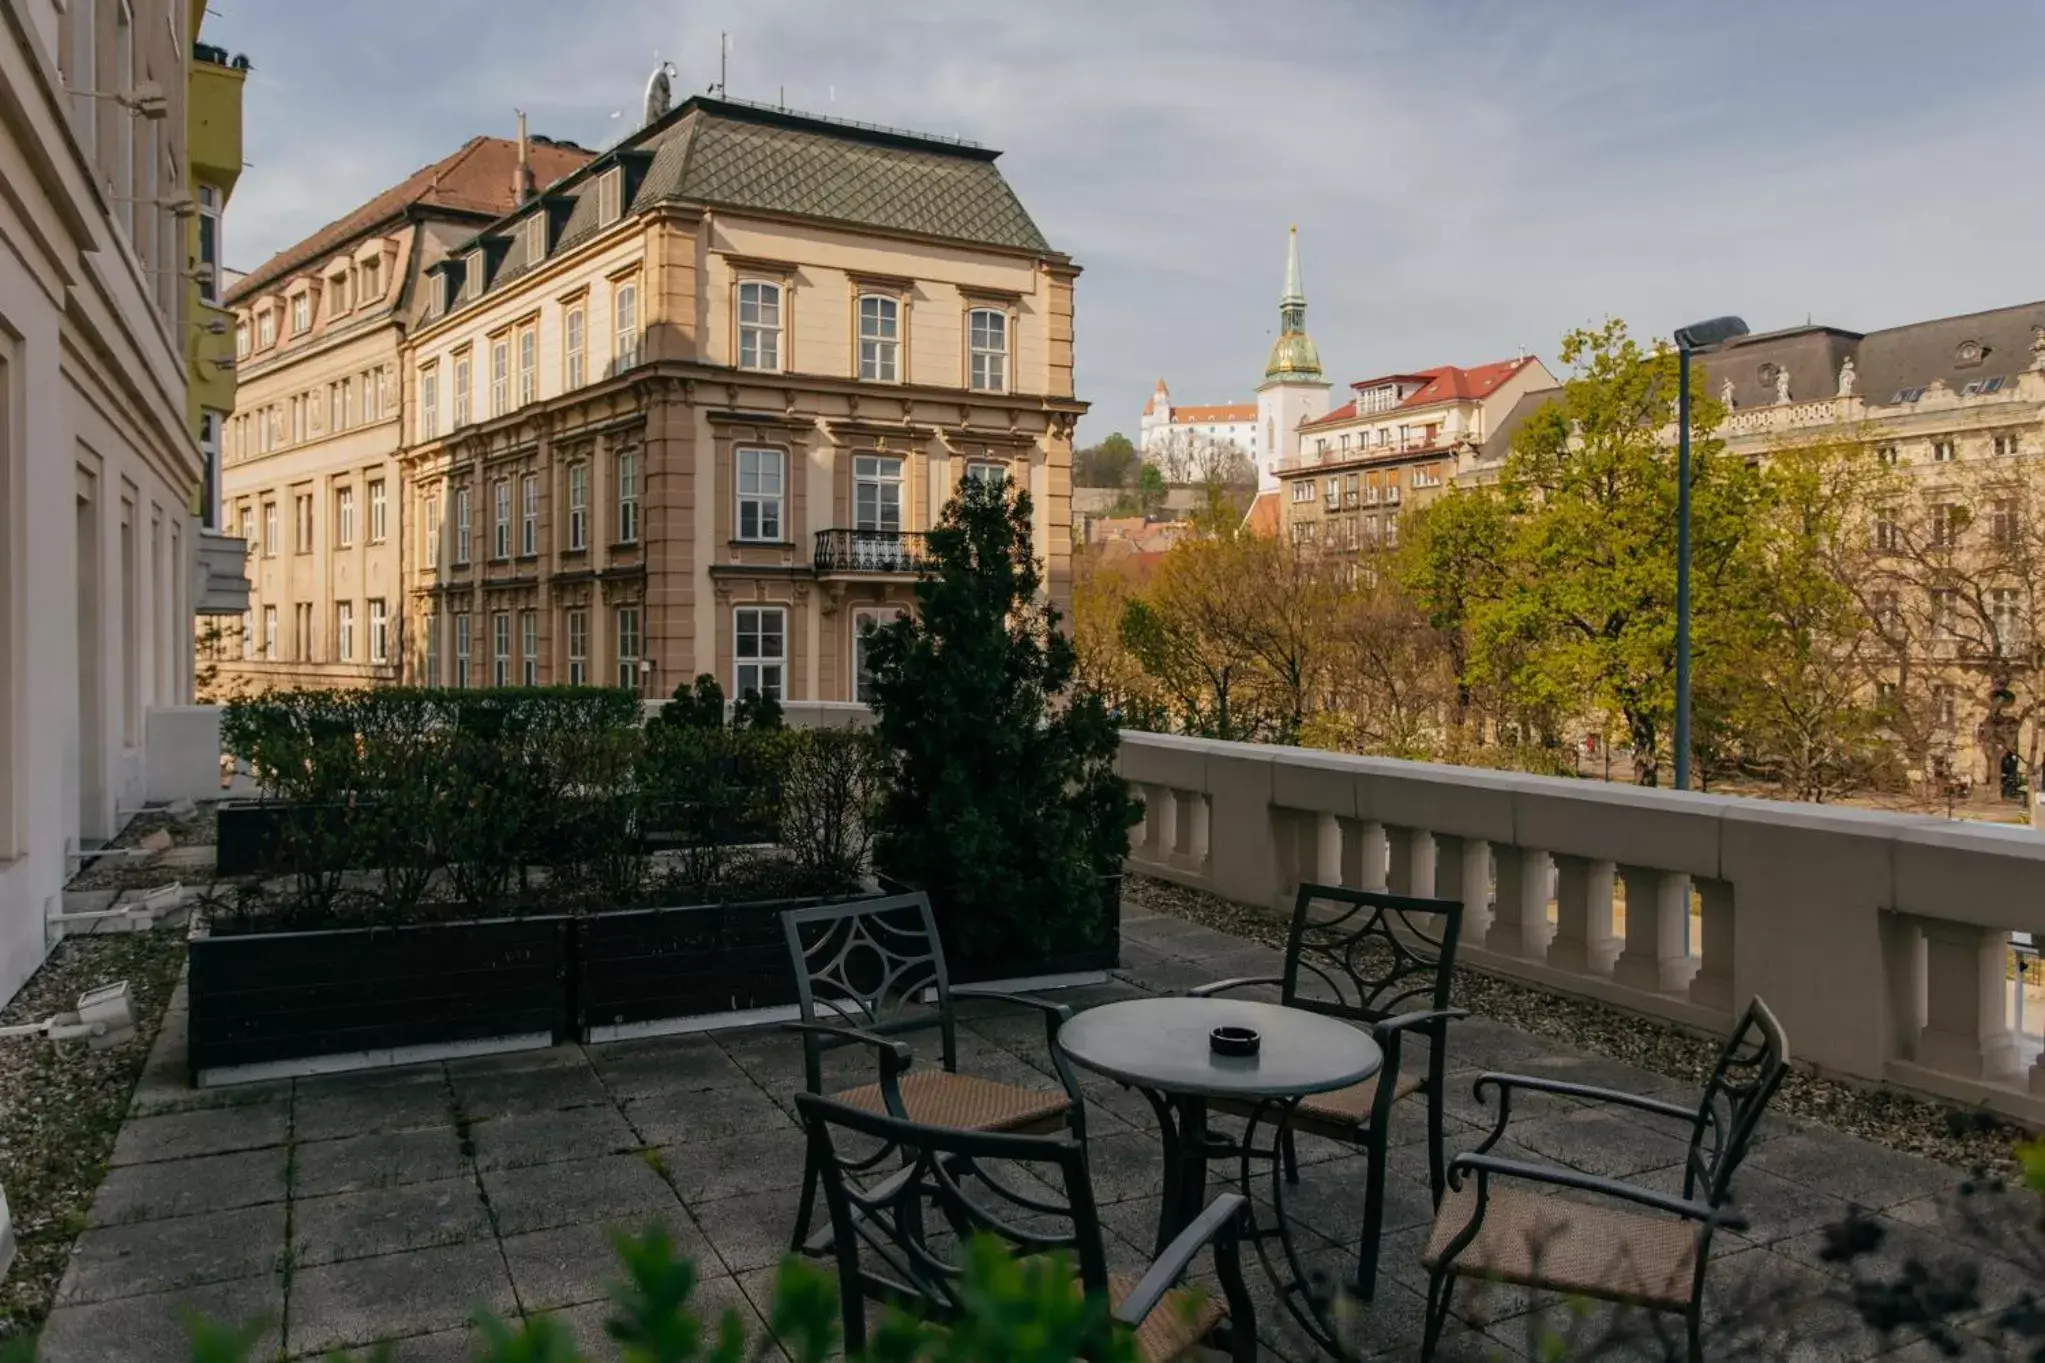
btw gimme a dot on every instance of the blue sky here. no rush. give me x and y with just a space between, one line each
1469 177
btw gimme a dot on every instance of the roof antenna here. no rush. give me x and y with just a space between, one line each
723 61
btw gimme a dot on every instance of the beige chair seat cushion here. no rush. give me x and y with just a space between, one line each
1342 1109
1178 1322
964 1103
1539 1240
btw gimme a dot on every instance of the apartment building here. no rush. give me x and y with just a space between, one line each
98 463
1393 446
310 474
692 407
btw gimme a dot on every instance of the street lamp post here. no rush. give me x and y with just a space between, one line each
1698 336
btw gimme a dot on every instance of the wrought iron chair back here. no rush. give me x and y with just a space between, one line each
1751 1066
906 1199
1367 956
873 964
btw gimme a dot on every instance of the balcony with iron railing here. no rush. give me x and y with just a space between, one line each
870 551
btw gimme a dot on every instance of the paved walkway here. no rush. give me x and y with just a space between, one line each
349 1210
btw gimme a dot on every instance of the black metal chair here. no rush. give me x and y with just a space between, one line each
1490 1226
874 969
1385 961
901 1235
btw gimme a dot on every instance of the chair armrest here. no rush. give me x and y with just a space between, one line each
1505 1083
1062 1011
894 1057
1219 1219
1055 1015
1413 1022
1224 986
1561 1177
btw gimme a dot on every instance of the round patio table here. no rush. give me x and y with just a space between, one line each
1160 1048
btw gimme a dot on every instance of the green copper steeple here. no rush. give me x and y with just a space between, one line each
1293 354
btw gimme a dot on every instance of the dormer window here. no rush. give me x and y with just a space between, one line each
443 293
266 330
610 188
337 294
301 314
369 280
536 239
472 274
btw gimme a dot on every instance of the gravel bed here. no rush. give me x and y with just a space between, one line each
1964 1138
61 1105
189 828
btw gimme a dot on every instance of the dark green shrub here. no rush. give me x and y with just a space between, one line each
1004 803
755 711
830 793
693 707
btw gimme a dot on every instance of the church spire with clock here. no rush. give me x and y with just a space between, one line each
1294 389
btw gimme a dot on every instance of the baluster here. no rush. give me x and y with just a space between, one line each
1657 907
1519 922
1584 940
1463 873
1966 1018
1328 849
1189 836
1412 861
1712 986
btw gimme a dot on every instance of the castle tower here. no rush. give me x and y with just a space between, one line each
1294 389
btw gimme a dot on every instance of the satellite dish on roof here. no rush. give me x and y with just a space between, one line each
659 92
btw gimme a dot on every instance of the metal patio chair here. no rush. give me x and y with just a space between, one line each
1492 1224
901 1235
1383 961
874 969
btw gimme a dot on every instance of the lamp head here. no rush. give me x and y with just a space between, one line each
1705 335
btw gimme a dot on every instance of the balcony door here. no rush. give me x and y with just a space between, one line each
876 513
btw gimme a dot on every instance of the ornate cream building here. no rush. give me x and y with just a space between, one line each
99 464
692 407
311 475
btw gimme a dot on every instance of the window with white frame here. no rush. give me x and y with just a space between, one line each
625 326
759 325
429 403
578 648
528 365
2004 444
980 471
987 350
500 648
464 528
500 542
628 496
500 375
463 385
270 633
429 627
432 545
880 338
301 314
1942 451
2006 614
242 343
344 517
536 238
529 648
573 346
529 514
609 198
1303 490
761 486
628 647
383 390
876 493
271 533
1947 701
344 631
864 622
461 649
266 329
760 648
379 511
578 506
379 631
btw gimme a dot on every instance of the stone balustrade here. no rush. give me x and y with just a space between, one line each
1881 940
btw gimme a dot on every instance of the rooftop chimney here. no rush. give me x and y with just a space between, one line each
522 177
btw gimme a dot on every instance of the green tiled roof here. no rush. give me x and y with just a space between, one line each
824 174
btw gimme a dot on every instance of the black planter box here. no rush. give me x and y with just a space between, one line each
651 965
266 997
254 835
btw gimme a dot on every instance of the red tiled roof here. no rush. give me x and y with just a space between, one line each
1444 383
1263 517
1237 411
477 179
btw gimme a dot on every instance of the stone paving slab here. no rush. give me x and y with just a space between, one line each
412 1196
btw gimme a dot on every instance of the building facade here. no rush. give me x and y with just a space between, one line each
98 460
311 450
1394 446
693 408
1168 434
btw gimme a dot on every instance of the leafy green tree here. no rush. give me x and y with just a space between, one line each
1452 563
1150 490
1586 617
1005 805
1107 464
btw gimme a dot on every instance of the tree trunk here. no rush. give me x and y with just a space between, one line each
1646 771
